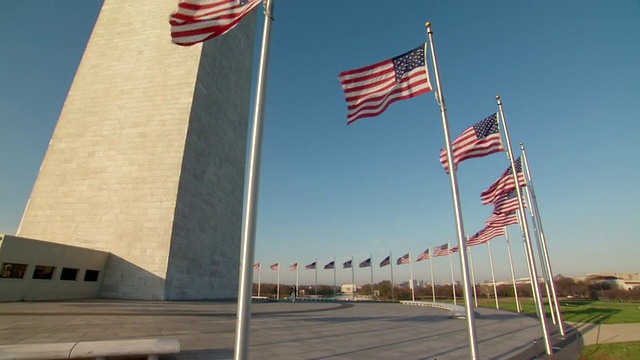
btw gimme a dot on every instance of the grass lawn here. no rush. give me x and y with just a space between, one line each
585 311
614 351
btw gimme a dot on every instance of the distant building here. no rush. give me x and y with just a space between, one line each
416 284
349 289
350 292
625 281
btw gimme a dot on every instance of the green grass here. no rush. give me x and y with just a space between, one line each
584 311
614 351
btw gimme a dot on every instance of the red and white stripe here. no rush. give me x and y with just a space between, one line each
199 20
504 184
507 202
424 256
442 250
370 90
500 220
468 146
404 259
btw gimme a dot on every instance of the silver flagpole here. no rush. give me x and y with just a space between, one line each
534 205
433 285
525 227
316 277
297 276
457 209
532 281
453 278
393 292
493 275
259 278
413 293
540 256
278 288
251 200
513 274
473 278
371 269
334 277
353 284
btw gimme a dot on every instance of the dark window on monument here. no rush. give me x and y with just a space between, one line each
69 274
43 272
91 275
13 271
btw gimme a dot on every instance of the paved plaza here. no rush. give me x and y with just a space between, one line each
283 330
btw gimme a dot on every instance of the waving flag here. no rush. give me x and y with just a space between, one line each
424 256
370 90
441 250
294 267
386 261
482 139
275 267
503 184
366 263
331 265
404 259
311 266
347 264
500 220
485 235
489 233
507 202
256 266
199 20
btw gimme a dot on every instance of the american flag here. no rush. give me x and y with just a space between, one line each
386 261
455 249
489 233
441 250
371 89
347 264
485 235
256 266
294 267
507 202
474 240
366 263
331 265
503 184
480 140
424 256
500 220
275 267
199 20
404 259
311 266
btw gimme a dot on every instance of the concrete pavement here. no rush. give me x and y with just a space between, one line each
206 330
607 333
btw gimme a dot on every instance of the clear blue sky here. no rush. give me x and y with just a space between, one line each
568 73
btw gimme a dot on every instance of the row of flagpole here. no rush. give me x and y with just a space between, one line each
406 259
404 77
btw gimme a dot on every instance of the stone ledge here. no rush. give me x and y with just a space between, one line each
457 311
90 349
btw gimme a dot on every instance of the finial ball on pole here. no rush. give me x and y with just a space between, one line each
498 97
428 23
